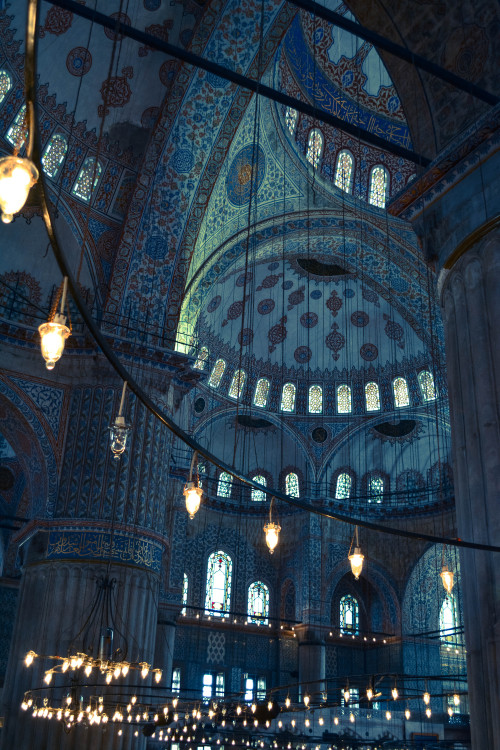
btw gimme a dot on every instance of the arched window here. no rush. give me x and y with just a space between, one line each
426 383
375 489
349 615
315 399
201 359
54 154
291 116
261 392
379 186
5 84
219 576
344 172
314 147
87 179
258 602
258 496
401 395
18 132
292 484
288 397
448 618
185 584
343 486
217 373
372 397
343 399
224 484
237 383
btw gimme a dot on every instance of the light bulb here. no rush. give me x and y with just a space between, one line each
30 656
351 718
65 665
427 698
450 711
193 495
158 675
269 705
395 693
356 560
321 721
109 677
144 670
369 693
388 715
447 578
48 678
118 434
307 723
175 702
53 335
253 707
17 176
456 699
133 700
306 700
238 710
117 672
125 668
272 531
428 713
88 670
287 702
336 721
347 695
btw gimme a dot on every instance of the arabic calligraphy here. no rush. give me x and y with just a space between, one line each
97 545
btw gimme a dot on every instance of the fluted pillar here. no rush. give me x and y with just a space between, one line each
312 663
471 312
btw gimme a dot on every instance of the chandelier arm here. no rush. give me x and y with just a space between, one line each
148 403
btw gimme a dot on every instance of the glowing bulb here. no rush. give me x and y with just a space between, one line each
48 678
407 714
336 721
175 702
109 677
369 693
356 560
30 656
88 670
65 665
287 702
321 721
193 495
427 698
17 176
125 668
133 700
456 699
388 715
447 579
450 711
270 706
395 693
272 531
351 718
253 707
307 723
306 700
158 675
53 335
144 670
428 713
347 695
238 710
117 672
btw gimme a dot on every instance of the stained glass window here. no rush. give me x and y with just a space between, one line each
314 147
185 584
5 84
343 487
261 392
344 171
17 134
201 359
219 575
87 179
349 615
224 484
315 399
258 602
372 397
426 383
217 373
176 680
448 618
288 397
258 496
237 383
291 115
250 692
54 154
375 489
292 484
401 395
379 184
209 679
343 399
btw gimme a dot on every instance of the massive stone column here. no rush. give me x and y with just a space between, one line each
471 305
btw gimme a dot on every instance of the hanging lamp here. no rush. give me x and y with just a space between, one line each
119 430
192 491
272 531
54 332
17 174
356 558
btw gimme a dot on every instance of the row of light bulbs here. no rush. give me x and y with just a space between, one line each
111 669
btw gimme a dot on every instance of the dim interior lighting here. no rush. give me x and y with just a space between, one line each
54 333
192 492
456 699
428 713
356 558
272 531
17 177
427 698
351 718
119 430
407 714
306 699
388 715
447 577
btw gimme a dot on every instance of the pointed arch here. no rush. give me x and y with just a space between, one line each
315 144
344 171
379 186
219 580
258 603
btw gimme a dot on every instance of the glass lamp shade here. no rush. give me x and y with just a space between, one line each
53 336
356 560
447 579
17 176
272 531
407 714
118 434
193 495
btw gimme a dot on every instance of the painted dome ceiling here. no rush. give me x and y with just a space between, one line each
301 315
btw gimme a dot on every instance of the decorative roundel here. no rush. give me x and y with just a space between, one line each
370 296
167 71
149 117
319 434
360 319
245 174
245 337
287 285
6 478
399 284
269 282
245 277
235 310
79 61
369 352
214 304
334 303
316 294
199 405
122 18
393 330
302 354
335 341
273 266
265 306
309 319
182 160
348 293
